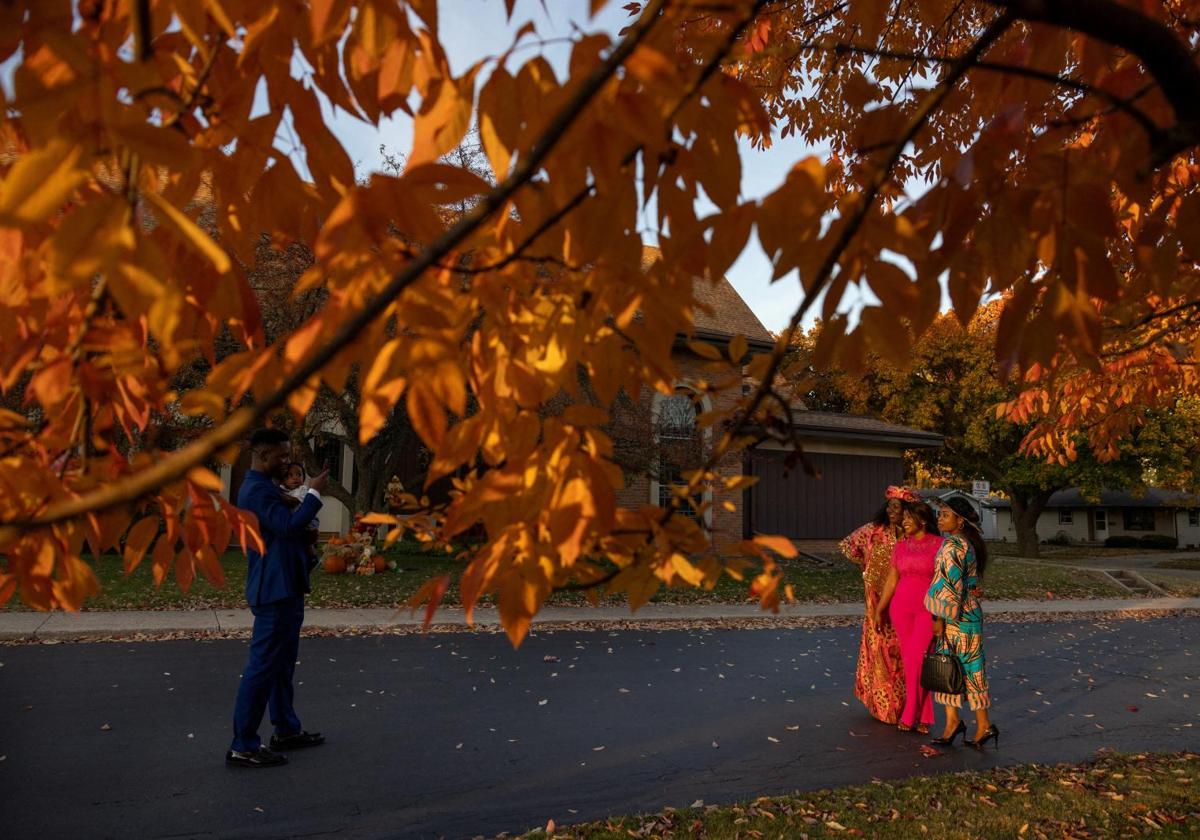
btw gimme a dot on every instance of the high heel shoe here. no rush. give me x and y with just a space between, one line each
989 734
948 741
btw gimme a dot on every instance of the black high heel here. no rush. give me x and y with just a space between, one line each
948 741
990 734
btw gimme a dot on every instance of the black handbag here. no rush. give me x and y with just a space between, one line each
941 670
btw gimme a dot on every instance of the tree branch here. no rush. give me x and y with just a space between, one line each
1167 58
237 425
1112 99
823 277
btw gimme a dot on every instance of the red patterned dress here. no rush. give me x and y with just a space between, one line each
879 678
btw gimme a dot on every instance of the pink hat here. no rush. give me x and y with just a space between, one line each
901 493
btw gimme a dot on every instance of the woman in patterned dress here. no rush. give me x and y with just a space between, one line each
958 618
879 677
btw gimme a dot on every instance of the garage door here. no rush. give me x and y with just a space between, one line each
794 504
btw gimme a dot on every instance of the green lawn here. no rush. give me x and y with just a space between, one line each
1113 796
1007 580
1181 563
1068 552
1184 587
812 584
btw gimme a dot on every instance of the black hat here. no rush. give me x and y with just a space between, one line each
965 510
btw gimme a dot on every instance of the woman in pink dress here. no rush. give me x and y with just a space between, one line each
904 599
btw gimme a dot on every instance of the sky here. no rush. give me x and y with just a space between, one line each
475 29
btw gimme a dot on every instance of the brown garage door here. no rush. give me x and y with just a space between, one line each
793 504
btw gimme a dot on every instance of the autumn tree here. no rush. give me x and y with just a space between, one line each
1041 150
953 385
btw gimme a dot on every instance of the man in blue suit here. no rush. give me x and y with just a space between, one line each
276 583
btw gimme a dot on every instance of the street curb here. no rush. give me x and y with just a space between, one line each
209 623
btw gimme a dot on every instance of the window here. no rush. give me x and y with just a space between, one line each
1064 516
1139 519
680 446
1194 518
677 438
1101 520
328 451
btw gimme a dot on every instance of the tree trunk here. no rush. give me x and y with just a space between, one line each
1027 506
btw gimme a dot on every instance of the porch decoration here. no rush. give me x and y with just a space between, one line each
355 553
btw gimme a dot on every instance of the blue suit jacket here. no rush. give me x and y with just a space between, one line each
283 571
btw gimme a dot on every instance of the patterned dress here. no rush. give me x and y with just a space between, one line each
879 677
952 598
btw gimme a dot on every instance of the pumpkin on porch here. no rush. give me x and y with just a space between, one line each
334 564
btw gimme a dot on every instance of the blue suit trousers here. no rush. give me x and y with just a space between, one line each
267 678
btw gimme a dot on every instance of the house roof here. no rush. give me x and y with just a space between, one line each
943 493
724 313
827 424
1153 497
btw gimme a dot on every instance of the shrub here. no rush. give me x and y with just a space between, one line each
1158 541
1121 542
1061 538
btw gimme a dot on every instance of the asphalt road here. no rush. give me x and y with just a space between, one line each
456 735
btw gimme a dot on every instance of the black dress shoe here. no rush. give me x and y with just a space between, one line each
295 742
261 757
989 734
948 740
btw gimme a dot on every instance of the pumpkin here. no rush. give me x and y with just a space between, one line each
334 564
379 562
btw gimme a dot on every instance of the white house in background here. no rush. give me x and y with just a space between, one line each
940 495
1169 513
987 515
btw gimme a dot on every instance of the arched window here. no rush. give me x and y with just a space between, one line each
680 443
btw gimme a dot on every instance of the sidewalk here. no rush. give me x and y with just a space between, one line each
28 625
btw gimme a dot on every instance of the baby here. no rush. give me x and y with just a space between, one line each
295 485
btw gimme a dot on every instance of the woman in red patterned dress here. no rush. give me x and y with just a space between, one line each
879 677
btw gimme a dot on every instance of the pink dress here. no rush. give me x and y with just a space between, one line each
914 561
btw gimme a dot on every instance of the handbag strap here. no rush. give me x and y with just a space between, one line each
933 648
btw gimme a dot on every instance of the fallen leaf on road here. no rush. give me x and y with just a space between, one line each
1132 708
543 702
458 746
105 728
699 803
793 728
549 826
260 810
772 739
597 749
931 752
549 658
